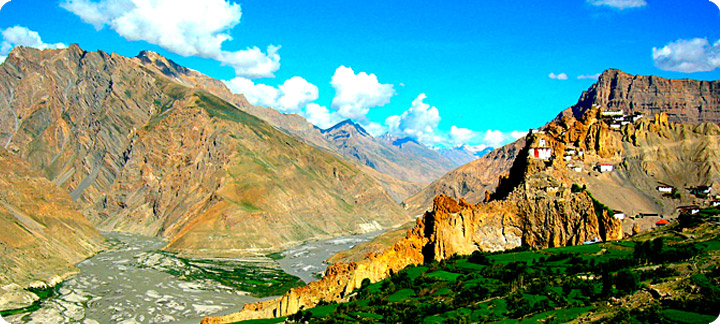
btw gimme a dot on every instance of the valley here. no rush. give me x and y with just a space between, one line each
218 211
134 281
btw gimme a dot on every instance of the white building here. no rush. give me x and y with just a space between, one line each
665 189
536 131
619 216
605 167
612 113
542 153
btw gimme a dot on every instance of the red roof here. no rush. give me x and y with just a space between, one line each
662 222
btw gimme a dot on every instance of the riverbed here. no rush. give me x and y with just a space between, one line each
133 282
307 261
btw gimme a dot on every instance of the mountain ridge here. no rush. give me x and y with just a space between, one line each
141 149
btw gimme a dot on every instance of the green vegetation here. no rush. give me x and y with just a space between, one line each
257 279
42 293
604 281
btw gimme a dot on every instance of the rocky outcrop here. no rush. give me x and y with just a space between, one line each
684 101
42 233
471 181
409 166
145 146
687 102
540 210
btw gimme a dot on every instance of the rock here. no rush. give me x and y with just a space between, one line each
13 296
685 101
143 145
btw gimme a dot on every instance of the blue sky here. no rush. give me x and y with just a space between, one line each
444 72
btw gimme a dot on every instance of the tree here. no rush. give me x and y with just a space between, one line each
627 281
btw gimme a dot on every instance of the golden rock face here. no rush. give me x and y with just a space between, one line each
145 146
533 202
42 233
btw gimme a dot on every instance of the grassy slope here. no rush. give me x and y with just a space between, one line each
556 285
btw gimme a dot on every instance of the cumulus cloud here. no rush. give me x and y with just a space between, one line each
185 27
420 122
460 136
694 55
289 97
320 116
517 134
619 4
716 2
589 76
561 76
3 2
22 36
355 94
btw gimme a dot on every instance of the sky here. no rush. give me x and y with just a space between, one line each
446 73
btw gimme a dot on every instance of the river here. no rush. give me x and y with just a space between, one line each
134 283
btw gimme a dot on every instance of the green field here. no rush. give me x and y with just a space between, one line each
555 285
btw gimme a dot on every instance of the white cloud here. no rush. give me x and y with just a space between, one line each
494 138
517 134
3 2
619 4
22 36
589 76
355 94
419 122
320 116
561 76
694 55
459 136
186 27
374 128
716 2
289 97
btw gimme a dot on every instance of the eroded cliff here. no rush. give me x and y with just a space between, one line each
142 149
42 233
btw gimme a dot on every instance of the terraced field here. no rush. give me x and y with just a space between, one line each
671 275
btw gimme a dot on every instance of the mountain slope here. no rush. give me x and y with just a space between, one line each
684 101
688 102
403 159
292 124
472 181
542 202
142 152
42 234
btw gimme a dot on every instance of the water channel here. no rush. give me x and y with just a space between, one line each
132 282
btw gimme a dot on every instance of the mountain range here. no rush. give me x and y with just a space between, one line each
93 140
527 199
145 146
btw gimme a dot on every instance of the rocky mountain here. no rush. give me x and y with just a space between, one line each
463 154
387 154
402 158
42 233
472 181
687 102
535 205
561 185
684 101
145 146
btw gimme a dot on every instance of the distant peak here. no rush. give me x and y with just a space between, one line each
167 66
345 124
